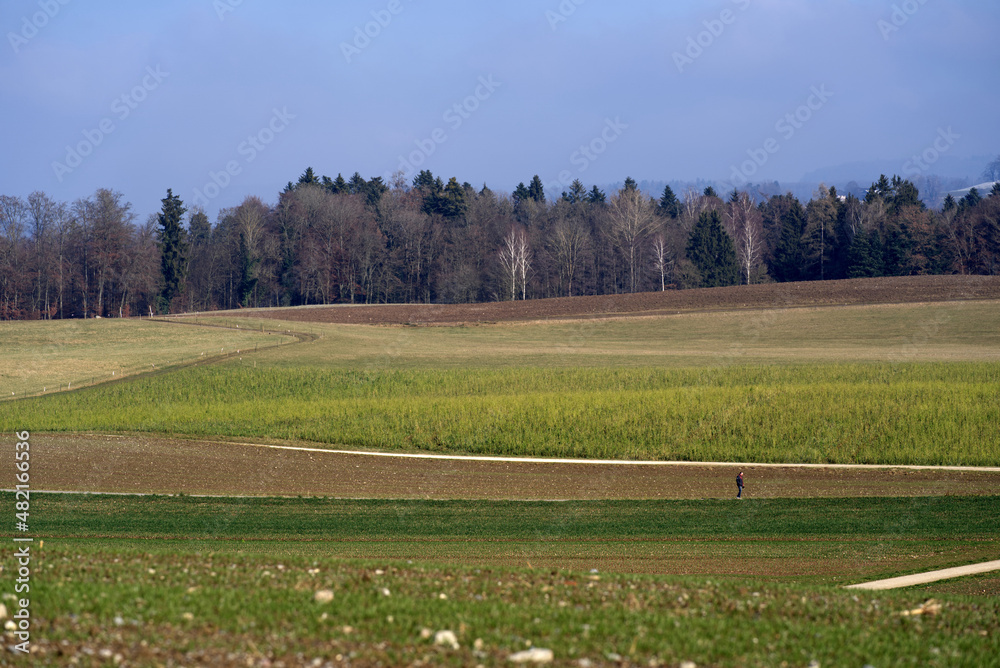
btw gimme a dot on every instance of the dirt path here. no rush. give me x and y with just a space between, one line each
146 464
928 577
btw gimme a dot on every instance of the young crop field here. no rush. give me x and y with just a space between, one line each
253 582
606 565
907 413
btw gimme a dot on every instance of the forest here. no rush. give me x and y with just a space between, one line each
329 241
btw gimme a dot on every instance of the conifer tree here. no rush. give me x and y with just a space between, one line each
577 192
340 186
453 201
789 255
173 249
596 196
865 256
668 207
711 250
535 189
308 178
521 193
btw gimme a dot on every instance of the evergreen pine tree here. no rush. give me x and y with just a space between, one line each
789 255
173 249
896 249
711 250
340 186
199 229
424 180
308 178
996 190
595 196
521 193
668 207
453 201
904 193
577 193
630 185
357 184
949 203
972 199
433 191
709 192
535 189
865 256
374 190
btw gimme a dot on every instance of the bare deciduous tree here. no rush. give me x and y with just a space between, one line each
568 241
663 260
515 258
746 226
631 220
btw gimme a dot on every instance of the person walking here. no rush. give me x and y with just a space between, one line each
739 485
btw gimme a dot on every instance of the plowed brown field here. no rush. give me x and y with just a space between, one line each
904 289
146 464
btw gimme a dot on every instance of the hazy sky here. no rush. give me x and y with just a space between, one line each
218 99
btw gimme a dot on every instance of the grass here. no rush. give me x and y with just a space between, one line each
907 413
48 355
948 331
195 581
906 534
896 384
201 591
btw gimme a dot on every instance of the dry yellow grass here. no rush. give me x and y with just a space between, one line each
932 332
39 354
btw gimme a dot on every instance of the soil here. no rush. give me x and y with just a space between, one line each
903 289
149 464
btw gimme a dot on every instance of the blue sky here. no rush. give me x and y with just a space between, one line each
218 99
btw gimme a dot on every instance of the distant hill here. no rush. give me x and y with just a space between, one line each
867 171
984 189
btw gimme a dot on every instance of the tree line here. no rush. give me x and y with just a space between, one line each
354 240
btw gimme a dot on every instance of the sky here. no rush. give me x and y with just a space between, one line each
221 99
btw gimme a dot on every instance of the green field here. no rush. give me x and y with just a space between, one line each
205 579
900 384
880 413
232 581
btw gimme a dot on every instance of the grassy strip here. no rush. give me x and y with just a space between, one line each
914 413
931 518
205 599
821 540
